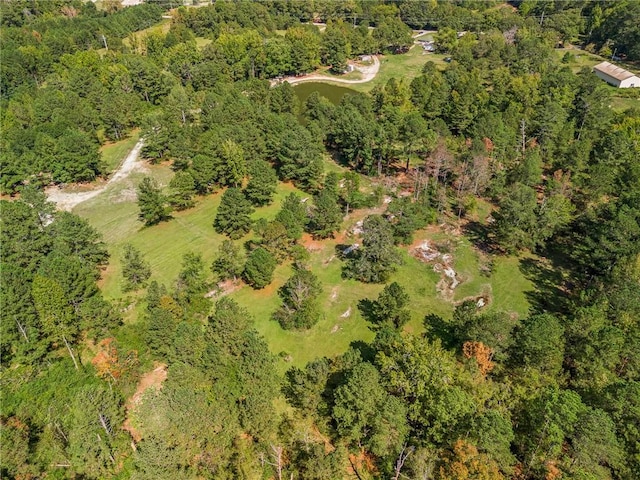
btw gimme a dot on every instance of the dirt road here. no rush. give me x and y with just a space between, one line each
66 200
368 74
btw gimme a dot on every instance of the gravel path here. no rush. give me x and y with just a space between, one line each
368 74
68 200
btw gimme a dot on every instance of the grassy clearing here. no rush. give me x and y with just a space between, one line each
428 36
113 153
405 66
582 59
202 42
135 38
114 214
621 104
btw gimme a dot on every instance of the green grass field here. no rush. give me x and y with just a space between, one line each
114 214
405 66
202 42
161 27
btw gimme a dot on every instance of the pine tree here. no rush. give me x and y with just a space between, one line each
300 309
390 306
183 189
293 215
258 271
229 264
152 202
326 217
135 269
231 165
376 259
233 217
262 183
55 312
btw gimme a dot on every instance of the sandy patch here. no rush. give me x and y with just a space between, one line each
152 379
368 72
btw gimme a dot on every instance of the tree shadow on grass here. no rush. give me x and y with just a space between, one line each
479 236
549 294
367 352
366 308
437 328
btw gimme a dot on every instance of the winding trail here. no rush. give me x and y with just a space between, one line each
68 200
368 74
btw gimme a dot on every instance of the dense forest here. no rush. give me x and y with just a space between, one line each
504 122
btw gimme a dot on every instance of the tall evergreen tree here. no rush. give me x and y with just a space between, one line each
300 309
228 264
258 271
262 183
293 215
135 269
326 216
183 189
233 217
376 259
152 202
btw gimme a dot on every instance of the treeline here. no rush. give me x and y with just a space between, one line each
33 41
609 28
50 263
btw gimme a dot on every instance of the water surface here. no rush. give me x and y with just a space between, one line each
333 93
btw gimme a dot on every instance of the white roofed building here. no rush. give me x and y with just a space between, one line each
616 76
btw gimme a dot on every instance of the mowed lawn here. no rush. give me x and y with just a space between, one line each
405 66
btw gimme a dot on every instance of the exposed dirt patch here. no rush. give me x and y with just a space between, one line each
152 379
268 291
482 301
224 288
105 272
310 244
126 195
363 461
334 294
429 252
328 446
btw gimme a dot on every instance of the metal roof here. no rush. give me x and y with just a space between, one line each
613 71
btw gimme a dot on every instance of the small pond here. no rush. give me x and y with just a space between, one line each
332 92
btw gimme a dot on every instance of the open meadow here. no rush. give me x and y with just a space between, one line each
114 214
